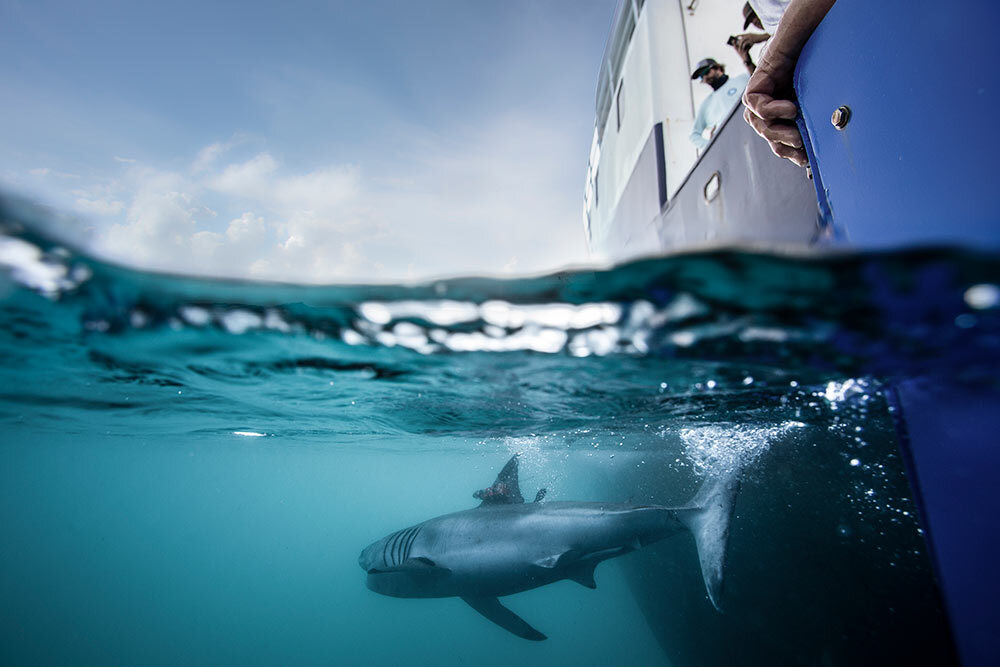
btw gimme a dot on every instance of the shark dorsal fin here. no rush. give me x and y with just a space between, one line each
506 490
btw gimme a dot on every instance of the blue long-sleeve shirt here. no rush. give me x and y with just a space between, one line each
716 107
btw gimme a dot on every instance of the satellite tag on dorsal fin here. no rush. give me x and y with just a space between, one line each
506 490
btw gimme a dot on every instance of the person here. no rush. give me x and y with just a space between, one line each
743 42
769 97
750 17
725 95
766 14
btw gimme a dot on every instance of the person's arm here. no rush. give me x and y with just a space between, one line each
743 43
698 131
769 95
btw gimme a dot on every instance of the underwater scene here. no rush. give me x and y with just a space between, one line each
690 460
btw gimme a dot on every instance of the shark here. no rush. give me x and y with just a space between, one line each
506 545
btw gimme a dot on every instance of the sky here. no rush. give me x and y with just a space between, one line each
316 142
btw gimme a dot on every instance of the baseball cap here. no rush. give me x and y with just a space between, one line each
703 66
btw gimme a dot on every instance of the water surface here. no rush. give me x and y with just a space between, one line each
190 467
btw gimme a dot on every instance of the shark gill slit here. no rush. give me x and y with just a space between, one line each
394 551
385 546
409 542
397 544
397 550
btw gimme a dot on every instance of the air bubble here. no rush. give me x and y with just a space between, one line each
982 296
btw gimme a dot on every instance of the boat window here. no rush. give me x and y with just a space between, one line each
623 36
614 59
603 101
618 103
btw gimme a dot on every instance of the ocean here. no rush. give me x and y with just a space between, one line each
190 467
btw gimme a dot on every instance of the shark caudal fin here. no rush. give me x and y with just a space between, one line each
707 516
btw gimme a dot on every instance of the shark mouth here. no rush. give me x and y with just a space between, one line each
409 564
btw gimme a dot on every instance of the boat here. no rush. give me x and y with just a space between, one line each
896 108
647 189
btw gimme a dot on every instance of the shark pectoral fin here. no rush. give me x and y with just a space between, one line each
579 567
505 618
583 574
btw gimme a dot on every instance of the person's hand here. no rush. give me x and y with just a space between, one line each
743 42
770 109
769 97
743 49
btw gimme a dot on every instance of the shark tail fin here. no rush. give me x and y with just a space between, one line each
707 516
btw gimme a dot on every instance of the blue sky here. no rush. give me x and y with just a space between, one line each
312 141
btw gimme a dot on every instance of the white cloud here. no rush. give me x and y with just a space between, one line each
326 189
205 244
249 179
469 203
160 224
510 266
158 229
99 206
208 156
45 171
464 158
247 226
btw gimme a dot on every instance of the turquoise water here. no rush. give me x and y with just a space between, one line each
190 468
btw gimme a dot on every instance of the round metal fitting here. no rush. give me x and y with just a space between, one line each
841 117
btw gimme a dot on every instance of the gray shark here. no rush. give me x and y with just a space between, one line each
506 546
